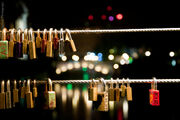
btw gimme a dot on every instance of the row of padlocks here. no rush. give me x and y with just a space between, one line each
17 43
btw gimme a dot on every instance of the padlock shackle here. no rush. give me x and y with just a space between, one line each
56 33
8 85
44 34
111 83
34 83
61 35
28 85
128 84
15 84
19 35
2 86
38 32
4 34
50 84
50 34
12 34
31 35
68 33
26 34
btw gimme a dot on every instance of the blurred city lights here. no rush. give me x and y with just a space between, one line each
111 51
91 57
64 58
111 18
130 60
109 8
119 16
105 71
98 68
77 65
91 66
90 17
100 56
135 55
58 71
115 66
69 66
75 99
75 57
57 88
125 109
111 57
173 63
122 62
147 53
63 69
103 17
111 105
125 56
171 54
84 65
64 94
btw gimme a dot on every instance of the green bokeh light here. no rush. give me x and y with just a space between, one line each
130 60
69 86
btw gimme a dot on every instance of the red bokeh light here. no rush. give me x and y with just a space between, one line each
90 17
103 17
119 16
109 8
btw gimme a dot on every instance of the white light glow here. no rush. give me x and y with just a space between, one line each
122 61
111 57
69 66
105 71
64 94
91 66
125 109
115 66
125 56
77 65
84 65
147 53
64 58
63 68
75 57
171 54
98 68
58 71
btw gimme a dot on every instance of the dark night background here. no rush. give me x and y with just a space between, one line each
74 15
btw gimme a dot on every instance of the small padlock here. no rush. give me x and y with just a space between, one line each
29 98
25 41
38 39
2 97
4 45
49 49
15 94
69 38
55 40
92 91
117 92
50 97
129 91
123 89
8 96
61 44
111 92
154 94
32 47
18 45
35 93
43 43
23 92
11 44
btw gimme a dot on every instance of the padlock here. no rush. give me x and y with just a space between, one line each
154 94
61 44
4 45
102 103
43 43
2 97
69 38
111 91
18 46
32 47
15 94
8 96
11 44
38 39
49 49
55 40
50 97
117 92
25 41
123 89
129 91
29 98
35 93
92 91
22 93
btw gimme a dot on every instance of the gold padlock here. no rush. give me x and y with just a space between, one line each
123 89
2 97
129 91
11 44
29 98
92 91
8 96
69 38
25 41
4 45
117 92
32 47
23 89
38 39
49 45
35 93
15 94
111 91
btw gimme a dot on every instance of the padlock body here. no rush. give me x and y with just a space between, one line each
35 92
43 46
55 43
2 100
29 100
25 44
154 97
18 49
15 96
50 100
123 90
38 42
117 94
92 94
32 50
111 94
11 49
49 49
3 49
129 93
8 100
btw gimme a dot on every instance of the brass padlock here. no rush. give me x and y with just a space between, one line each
15 94
43 42
55 40
35 93
123 89
129 91
2 97
25 41
29 98
18 45
23 89
111 92
8 96
69 38
50 96
49 49
117 92
92 91
4 45
32 47
11 44
38 39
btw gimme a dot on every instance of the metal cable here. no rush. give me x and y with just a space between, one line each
114 81
117 30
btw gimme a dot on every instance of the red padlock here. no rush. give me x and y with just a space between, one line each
154 94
